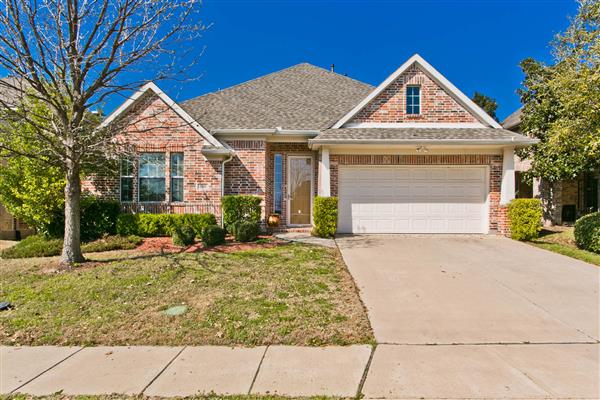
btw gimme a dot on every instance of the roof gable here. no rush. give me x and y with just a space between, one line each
151 86
379 96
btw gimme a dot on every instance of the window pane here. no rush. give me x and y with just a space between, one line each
413 100
152 189
176 164
152 165
278 184
126 189
126 167
176 189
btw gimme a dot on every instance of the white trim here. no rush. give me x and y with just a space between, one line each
324 173
384 125
174 106
288 187
507 188
459 96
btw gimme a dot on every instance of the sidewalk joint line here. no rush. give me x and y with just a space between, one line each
162 370
257 370
46 370
365 372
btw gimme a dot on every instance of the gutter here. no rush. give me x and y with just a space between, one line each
223 185
278 131
467 142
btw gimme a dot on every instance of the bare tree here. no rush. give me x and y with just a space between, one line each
71 55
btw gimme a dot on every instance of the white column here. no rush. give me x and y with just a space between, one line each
324 177
507 190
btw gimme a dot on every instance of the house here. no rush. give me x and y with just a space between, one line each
564 201
11 228
412 155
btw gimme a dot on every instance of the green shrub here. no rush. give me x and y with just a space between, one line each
587 232
246 231
98 218
42 246
325 215
148 225
525 218
238 208
213 235
184 235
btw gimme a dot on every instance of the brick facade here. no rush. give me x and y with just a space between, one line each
436 104
497 214
152 126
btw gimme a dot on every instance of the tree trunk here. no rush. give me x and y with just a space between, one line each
71 252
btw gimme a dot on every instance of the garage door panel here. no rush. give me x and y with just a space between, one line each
412 200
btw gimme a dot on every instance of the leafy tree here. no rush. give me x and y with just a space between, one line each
71 56
562 100
487 103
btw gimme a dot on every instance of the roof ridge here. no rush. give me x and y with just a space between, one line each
270 74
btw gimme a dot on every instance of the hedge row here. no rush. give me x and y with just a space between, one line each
148 225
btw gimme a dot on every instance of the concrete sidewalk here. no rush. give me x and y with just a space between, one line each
389 371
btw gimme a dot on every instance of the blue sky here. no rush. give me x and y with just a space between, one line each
476 44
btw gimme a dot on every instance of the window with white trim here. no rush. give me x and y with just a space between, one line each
176 176
152 177
127 177
413 100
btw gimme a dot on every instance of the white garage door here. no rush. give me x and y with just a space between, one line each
412 200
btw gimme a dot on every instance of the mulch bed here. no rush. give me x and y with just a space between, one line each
165 245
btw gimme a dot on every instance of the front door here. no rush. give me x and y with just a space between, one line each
300 183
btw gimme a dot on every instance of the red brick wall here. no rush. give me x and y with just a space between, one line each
436 104
152 126
497 214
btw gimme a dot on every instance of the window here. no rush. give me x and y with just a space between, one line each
278 184
413 100
127 180
176 176
152 177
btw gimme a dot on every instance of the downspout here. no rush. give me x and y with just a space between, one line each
223 186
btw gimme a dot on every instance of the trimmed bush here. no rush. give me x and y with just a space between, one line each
98 218
525 217
587 232
213 235
183 235
325 216
238 208
246 231
148 225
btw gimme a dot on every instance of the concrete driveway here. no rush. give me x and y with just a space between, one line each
476 317
472 289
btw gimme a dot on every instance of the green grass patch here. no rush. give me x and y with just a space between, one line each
562 241
40 246
290 294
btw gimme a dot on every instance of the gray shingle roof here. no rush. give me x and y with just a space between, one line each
300 97
513 120
12 91
362 135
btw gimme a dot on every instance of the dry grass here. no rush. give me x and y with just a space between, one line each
290 294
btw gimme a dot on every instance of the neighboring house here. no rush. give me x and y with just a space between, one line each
10 227
412 155
564 201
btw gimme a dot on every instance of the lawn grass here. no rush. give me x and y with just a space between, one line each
40 246
561 240
290 294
